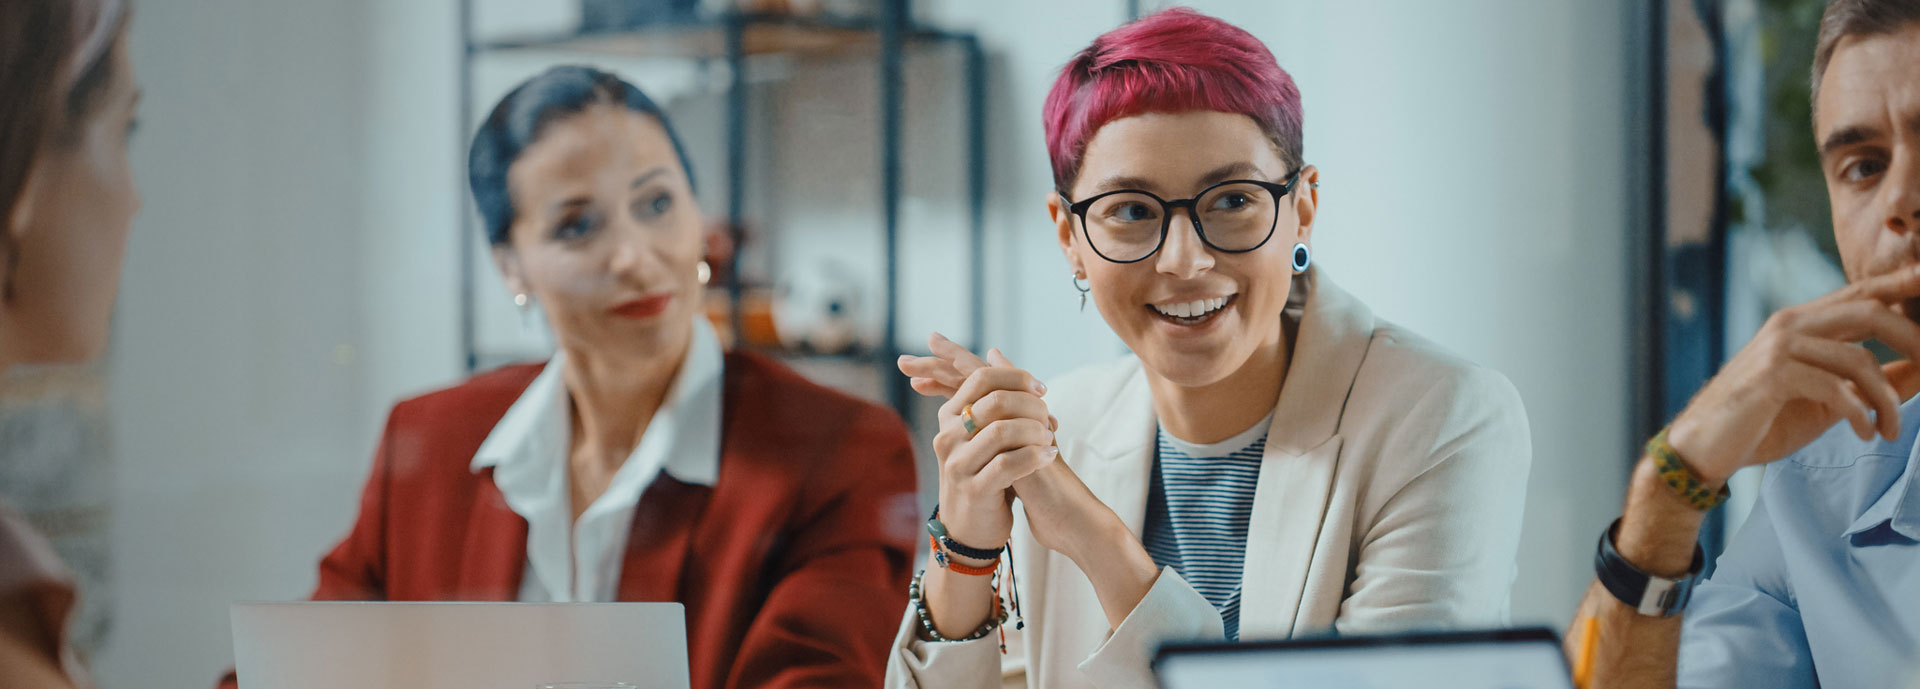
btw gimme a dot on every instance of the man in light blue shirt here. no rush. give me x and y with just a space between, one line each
1829 587
1821 587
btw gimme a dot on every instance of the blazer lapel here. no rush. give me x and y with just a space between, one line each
1301 459
495 556
657 547
1289 505
1115 459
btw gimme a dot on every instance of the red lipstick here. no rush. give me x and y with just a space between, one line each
645 307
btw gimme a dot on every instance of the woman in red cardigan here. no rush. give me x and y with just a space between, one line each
642 463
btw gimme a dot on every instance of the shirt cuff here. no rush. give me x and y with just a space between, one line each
1171 611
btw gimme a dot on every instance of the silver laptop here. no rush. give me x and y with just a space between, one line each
458 645
1505 659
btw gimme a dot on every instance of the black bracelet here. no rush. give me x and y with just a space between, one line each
939 533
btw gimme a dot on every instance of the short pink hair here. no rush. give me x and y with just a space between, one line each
1175 60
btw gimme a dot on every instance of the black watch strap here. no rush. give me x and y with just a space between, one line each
1648 594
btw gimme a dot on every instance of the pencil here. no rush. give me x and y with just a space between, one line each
1589 637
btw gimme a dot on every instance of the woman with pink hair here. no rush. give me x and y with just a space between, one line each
67 102
1271 460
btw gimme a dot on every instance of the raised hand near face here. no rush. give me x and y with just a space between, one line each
1802 373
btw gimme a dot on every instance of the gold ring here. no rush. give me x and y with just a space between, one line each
966 420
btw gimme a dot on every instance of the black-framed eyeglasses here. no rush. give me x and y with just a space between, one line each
1130 225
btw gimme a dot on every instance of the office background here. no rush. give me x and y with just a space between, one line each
298 264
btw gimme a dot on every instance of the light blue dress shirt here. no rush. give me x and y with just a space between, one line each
1821 586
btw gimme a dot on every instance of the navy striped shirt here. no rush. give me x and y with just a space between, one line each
1198 510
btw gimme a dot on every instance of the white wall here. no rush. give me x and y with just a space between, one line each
240 418
294 271
1480 152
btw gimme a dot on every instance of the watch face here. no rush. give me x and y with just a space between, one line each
1660 596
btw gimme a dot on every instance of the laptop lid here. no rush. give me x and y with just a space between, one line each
1504 659
458 645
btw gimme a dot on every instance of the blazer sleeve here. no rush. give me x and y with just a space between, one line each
828 619
913 663
356 568
1440 552
1171 610
977 664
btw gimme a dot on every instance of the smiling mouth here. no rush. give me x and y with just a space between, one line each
1192 312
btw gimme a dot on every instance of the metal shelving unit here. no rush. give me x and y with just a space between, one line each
730 39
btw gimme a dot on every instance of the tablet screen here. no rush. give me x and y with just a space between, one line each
1455 661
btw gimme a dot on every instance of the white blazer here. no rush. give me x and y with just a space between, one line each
1389 498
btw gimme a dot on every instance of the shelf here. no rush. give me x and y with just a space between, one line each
733 38
859 356
706 39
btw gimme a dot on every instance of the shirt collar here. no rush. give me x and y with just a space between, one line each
538 421
1899 506
695 404
538 425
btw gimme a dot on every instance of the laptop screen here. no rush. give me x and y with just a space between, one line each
1516 659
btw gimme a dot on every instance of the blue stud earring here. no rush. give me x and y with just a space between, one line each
1302 257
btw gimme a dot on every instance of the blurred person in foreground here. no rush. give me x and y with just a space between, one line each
1272 459
642 462
67 104
1821 586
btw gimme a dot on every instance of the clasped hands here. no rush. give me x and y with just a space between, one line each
1011 453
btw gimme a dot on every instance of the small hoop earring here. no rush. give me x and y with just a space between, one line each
704 272
1302 257
1084 289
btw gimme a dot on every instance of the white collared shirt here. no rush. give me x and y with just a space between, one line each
571 562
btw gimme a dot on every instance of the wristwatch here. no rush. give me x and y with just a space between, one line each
1648 594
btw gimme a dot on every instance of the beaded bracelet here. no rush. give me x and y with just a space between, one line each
927 630
1683 481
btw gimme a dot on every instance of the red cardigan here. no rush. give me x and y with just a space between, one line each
793 567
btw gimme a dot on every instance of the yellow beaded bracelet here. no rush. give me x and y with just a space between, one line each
1682 479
